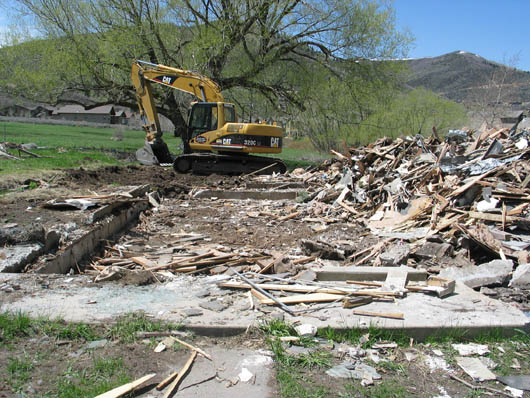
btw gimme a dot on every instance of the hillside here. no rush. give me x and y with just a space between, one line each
461 75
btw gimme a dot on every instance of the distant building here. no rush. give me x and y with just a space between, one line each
102 114
511 117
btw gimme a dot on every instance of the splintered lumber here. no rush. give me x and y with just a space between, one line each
272 264
500 218
305 298
164 383
308 289
287 288
144 262
204 354
352 302
304 260
390 315
475 180
181 375
126 388
264 292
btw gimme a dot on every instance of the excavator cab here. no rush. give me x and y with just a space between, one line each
207 116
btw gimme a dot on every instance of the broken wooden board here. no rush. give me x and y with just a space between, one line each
305 298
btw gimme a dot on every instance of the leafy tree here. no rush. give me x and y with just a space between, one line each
244 45
358 108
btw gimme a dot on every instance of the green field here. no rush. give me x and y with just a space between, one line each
71 146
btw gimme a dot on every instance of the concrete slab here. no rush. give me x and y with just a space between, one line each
366 273
220 377
77 299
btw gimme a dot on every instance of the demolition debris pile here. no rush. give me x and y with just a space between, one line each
456 207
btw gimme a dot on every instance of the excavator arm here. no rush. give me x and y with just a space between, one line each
142 74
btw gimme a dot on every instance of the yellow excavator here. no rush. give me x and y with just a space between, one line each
214 140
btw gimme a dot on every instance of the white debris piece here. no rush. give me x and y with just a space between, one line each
306 330
471 349
437 363
515 392
475 368
443 393
245 375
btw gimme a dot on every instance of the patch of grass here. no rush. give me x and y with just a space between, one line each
19 371
294 385
278 328
127 326
386 389
13 325
104 375
375 335
392 366
66 330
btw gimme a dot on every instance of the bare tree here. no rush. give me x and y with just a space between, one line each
490 100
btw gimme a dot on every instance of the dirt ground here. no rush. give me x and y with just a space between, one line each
238 225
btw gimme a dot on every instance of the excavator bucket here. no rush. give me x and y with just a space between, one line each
154 154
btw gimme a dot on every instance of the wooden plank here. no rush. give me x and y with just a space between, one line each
144 262
180 375
273 263
261 297
390 315
126 388
204 354
288 288
353 302
500 218
306 298
465 187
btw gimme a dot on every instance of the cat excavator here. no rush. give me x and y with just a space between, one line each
213 141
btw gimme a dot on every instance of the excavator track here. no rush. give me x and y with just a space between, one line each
209 163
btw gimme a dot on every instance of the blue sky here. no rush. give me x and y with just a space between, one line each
494 29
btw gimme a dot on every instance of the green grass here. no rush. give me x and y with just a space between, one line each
126 327
104 375
375 335
386 389
13 326
58 136
294 385
19 371
71 147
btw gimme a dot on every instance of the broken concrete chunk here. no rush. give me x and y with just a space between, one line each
96 344
307 275
15 258
395 256
11 234
495 272
433 251
306 330
521 382
192 312
521 277
214 306
350 370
